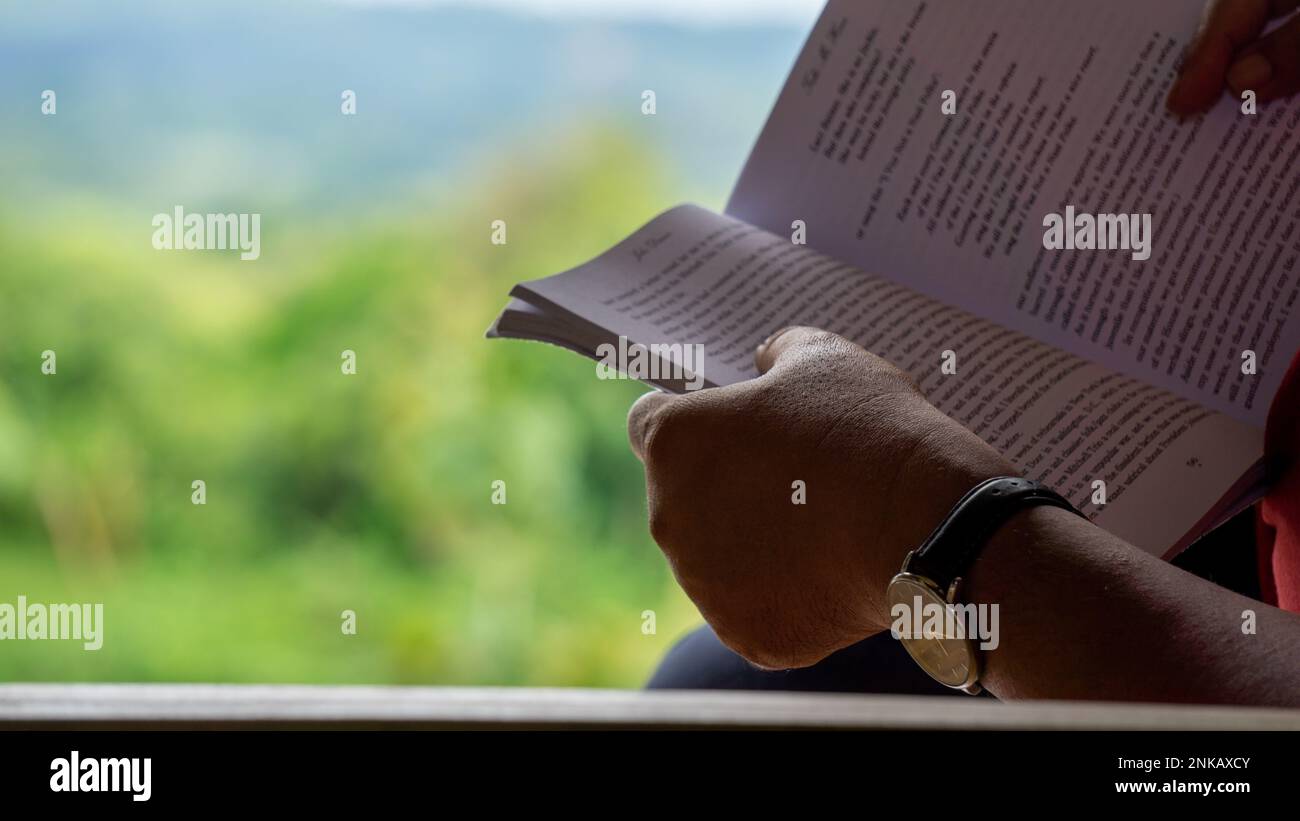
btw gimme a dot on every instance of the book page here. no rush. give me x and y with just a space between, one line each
692 277
1056 107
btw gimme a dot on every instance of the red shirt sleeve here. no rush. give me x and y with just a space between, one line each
1278 515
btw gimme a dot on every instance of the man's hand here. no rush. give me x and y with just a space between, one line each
786 584
1228 50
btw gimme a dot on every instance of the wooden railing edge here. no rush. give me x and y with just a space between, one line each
280 706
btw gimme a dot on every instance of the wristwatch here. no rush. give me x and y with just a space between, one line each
933 627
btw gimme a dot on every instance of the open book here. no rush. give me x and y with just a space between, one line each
915 222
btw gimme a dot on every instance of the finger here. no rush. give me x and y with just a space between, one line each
1226 27
1270 67
640 416
789 342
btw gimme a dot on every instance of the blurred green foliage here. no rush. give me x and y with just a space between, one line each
328 492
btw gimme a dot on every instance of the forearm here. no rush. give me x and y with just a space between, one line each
1082 614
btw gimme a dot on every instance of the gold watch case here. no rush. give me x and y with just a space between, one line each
950 660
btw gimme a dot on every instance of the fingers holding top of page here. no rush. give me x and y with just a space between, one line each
1271 66
1227 52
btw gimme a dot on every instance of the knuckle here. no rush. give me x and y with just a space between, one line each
821 343
661 529
889 378
751 634
675 436
817 336
766 659
806 344
768 656
745 646
661 429
902 377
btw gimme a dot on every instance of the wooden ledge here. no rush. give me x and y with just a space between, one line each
237 706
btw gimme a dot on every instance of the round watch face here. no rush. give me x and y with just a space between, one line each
931 630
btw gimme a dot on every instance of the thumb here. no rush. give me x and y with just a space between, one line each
1270 67
798 342
640 415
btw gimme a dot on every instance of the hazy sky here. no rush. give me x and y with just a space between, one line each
800 12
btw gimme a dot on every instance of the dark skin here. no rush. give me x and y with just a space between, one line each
1232 54
1084 615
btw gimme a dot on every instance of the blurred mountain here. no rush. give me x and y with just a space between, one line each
237 104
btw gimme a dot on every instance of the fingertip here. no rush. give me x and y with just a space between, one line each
1252 72
1176 102
1194 91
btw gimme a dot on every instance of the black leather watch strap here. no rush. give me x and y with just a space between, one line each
952 547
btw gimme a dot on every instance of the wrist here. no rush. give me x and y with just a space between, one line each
929 485
1029 540
1020 572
